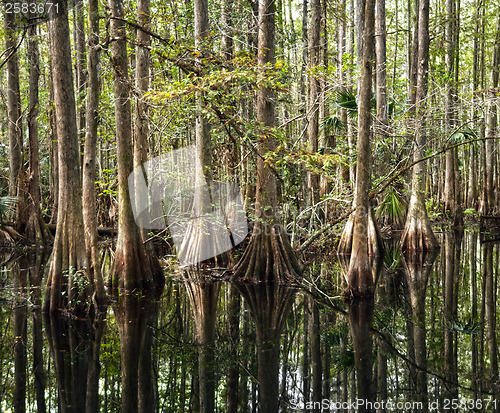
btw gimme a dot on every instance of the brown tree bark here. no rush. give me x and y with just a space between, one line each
133 267
227 29
451 205
68 286
80 66
198 238
359 276
36 229
488 206
381 73
417 234
269 255
13 102
141 122
314 94
89 156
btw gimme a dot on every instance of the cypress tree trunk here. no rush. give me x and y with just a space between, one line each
68 284
133 267
36 229
314 95
364 242
13 102
269 255
417 234
89 156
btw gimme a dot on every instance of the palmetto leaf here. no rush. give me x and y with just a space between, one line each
346 99
7 206
332 124
393 208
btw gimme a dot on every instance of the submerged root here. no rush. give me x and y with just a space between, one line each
268 257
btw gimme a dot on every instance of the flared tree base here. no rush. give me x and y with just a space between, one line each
69 289
417 234
361 277
134 269
268 257
375 242
203 244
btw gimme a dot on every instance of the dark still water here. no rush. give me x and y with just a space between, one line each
428 342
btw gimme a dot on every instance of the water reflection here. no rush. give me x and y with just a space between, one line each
207 346
136 317
417 269
269 305
74 346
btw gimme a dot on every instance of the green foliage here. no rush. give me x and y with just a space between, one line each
345 99
471 327
332 124
462 135
392 209
7 207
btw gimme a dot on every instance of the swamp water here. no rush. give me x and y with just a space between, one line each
427 342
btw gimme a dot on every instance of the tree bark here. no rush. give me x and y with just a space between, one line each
89 157
314 94
13 103
417 234
133 268
36 229
359 276
269 255
68 285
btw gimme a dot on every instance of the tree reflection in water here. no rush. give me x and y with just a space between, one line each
208 346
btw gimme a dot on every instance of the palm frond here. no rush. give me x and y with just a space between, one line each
346 99
332 124
392 209
7 207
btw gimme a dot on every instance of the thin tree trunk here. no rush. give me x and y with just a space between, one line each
314 94
36 229
89 157
13 102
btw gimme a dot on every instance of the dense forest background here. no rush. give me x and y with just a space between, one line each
314 110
